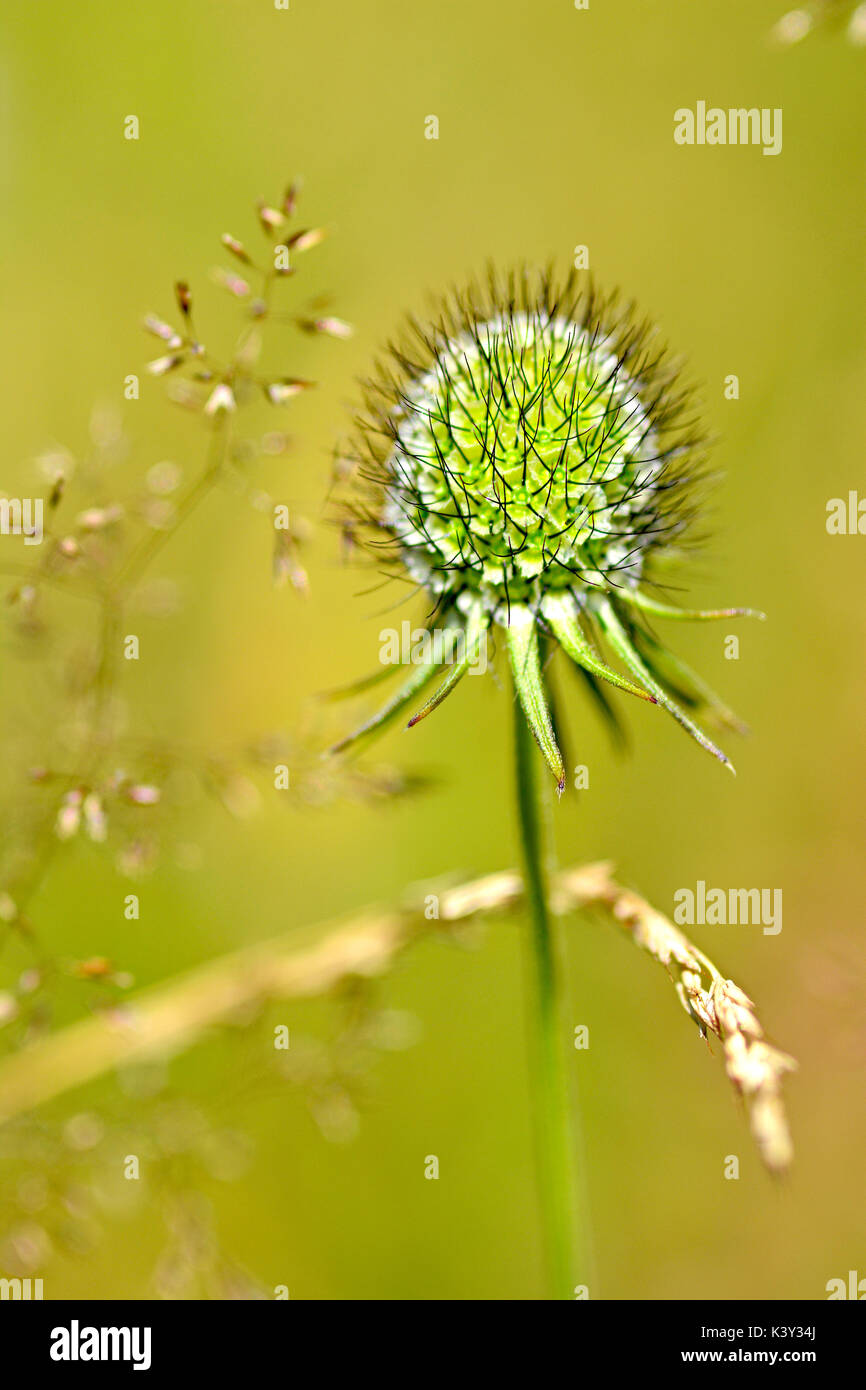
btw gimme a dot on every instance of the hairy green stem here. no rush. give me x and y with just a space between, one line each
554 1146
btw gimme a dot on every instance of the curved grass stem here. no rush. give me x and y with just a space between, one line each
553 1134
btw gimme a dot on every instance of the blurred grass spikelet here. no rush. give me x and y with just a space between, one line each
95 775
796 24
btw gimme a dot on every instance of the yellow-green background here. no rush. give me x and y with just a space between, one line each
555 129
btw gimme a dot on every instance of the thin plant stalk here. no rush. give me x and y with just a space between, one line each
553 1135
168 1017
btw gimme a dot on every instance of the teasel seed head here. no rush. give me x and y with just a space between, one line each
532 461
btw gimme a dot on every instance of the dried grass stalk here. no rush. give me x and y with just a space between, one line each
167 1018
718 1006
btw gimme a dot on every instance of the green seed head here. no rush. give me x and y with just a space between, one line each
523 463
529 459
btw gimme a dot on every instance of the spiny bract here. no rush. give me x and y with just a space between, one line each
530 461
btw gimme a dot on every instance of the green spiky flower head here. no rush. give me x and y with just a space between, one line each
529 460
523 462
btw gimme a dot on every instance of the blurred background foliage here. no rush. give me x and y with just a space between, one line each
555 130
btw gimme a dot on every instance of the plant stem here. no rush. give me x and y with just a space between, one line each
553 1131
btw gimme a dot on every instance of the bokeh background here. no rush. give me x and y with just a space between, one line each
555 130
